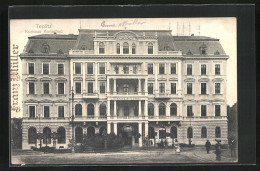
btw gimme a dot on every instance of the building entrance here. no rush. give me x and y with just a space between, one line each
127 133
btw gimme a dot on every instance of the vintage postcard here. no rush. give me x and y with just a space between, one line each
123 91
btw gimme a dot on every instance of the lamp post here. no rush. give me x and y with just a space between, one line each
39 116
192 114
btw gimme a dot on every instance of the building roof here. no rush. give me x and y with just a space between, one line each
85 40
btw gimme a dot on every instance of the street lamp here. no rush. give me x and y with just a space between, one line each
192 114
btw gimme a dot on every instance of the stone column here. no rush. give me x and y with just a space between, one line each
96 76
115 86
108 86
140 108
155 74
97 110
140 143
108 109
145 87
146 129
115 128
179 85
84 77
139 86
115 108
167 109
145 108
108 128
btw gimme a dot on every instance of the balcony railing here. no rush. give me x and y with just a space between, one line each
165 117
90 95
81 52
170 52
162 95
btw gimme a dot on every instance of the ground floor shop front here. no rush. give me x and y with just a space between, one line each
135 134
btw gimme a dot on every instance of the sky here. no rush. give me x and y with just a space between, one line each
224 29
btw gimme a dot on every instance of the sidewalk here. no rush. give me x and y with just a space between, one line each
201 154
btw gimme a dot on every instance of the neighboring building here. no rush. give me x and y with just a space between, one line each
126 82
16 130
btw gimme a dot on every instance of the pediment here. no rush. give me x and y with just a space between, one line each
204 100
31 101
77 78
162 79
102 78
203 80
173 79
60 79
217 79
31 79
45 79
218 100
125 35
150 79
189 80
190 100
46 101
60 101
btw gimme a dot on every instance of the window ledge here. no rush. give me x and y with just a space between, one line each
46 95
35 95
217 94
190 94
203 94
61 95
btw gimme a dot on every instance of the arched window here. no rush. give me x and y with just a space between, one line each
150 109
101 48
189 132
78 135
91 131
102 110
102 130
133 48
45 48
151 133
173 109
217 132
32 133
173 132
161 109
83 47
62 135
47 135
150 48
90 109
78 110
117 48
204 132
125 48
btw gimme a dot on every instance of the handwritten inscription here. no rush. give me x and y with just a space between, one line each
124 23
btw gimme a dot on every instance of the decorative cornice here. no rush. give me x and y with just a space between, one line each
203 80
189 80
60 79
78 79
45 79
217 79
31 101
31 79
173 79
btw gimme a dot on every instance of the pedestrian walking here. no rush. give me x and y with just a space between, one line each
232 148
218 150
177 147
207 145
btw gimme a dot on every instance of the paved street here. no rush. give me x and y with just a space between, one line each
135 156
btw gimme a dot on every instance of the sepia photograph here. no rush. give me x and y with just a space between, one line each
123 91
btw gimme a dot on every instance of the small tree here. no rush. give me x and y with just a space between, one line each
54 136
40 137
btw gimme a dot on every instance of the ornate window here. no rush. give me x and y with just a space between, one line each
46 111
173 109
150 109
133 49
45 48
203 132
203 110
189 69
101 48
125 48
78 110
117 48
217 69
203 88
102 110
62 135
203 69
189 132
47 135
217 88
150 88
77 68
217 132
150 68
150 48
173 88
189 111
61 111
91 109
78 87
217 110
161 68
31 68
90 87
189 88
161 109
32 111
32 133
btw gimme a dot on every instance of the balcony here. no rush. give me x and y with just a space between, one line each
80 118
90 95
198 118
165 118
81 52
162 96
169 52
127 118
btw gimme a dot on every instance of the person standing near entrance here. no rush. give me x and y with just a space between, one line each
207 145
218 150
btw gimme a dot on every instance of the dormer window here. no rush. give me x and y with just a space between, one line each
189 53
60 52
203 49
125 48
116 69
133 48
83 47
117 48
150 48
101 48
31 51
217 52
45 48
167 48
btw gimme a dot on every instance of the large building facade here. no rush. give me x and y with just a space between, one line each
126 82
